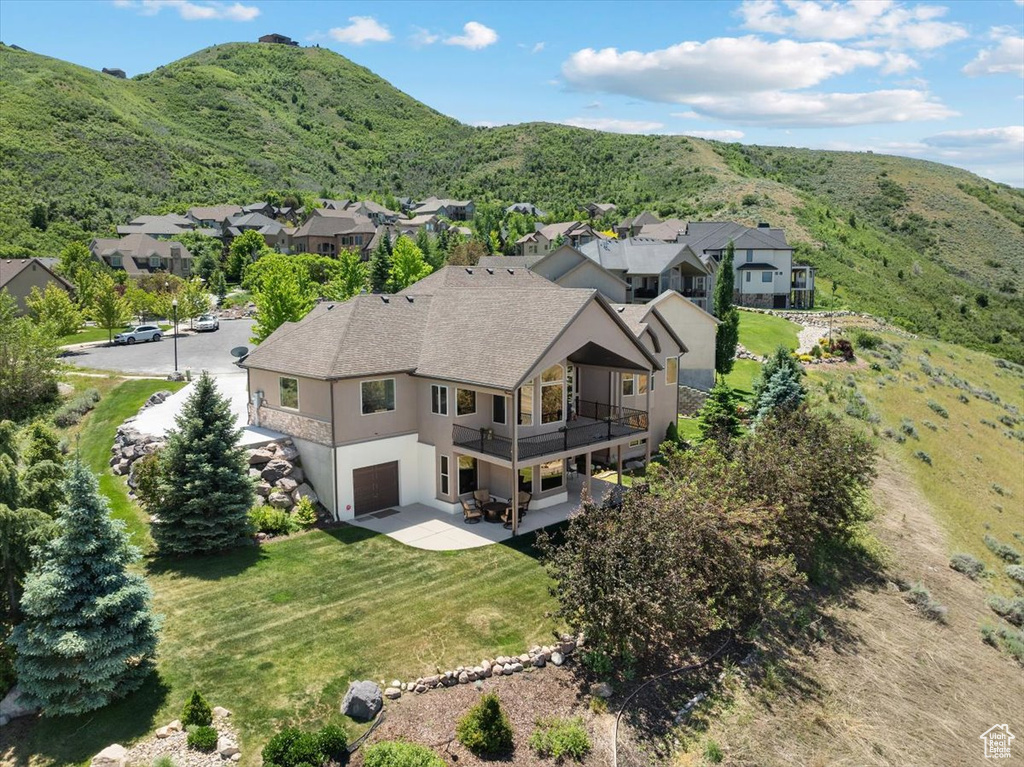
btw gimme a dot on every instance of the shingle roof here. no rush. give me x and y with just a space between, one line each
525 207
12 267
479 276
330 223
716 235
214 212
639 256
509 262
136 249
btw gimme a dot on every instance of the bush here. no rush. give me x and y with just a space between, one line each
938 408
332 742
922 456
163 761
146 472
196 711
267 519
842 347
921 598
71 412
713 752
1010 609
970 566
7 675
202 738
304 513
866 340
292 747
485 729
397 753
907 427
1004 551
1013 572
561 738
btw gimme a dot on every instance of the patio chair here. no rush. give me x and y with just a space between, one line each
469 513
482 497
524 504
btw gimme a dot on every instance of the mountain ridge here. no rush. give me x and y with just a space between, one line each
913 240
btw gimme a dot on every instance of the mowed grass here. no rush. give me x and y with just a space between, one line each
276 633
763 333
975 480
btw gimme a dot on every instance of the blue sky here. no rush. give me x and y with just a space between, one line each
936 80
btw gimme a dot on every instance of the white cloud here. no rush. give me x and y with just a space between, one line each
979 142
880 23
475 36
815 110
612 125
691 115
423 37
537 47
593 105
1006 57
717 135
721 65
203 10
361 29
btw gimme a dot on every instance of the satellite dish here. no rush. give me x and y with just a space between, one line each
240 351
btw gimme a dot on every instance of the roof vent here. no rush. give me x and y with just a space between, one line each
490 271
409 299
763 225
468 270
620 309
511 271
330 306
385 299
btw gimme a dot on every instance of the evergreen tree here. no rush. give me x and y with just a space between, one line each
204 492
407 265
88 636
728 333
219 286
43 444
21 530
718 420
778 386
380 265
428 247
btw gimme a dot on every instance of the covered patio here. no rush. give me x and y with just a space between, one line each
423 527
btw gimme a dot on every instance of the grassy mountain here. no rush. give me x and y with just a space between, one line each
936 248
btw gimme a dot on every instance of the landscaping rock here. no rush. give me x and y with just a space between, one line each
362 701
276 469
539 661
220 711
287 452
463 678
393 693
298 474
280 500
524 658
226 748
261 456
557 658
163 732
287 485
601 690
112 756
13 706
263 489
304 491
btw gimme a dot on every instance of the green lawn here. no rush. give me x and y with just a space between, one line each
88 335
763 333
276 633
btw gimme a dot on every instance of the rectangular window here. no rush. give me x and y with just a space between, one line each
627 384
290 393
637 442
498 408
526 404
766 276
747 278
445 480
154 262
438 399
672 370
552 394
465 401
115 261
377 396
750 255
551 475
641 383
467 474
526 479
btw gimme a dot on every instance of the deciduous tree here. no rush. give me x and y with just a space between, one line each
353 278
285 295
28 362
407 265
245 249
54 308
109 309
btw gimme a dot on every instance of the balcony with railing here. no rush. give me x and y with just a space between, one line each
594 424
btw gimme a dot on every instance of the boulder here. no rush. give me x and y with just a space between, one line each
163 732
288 452
396 683
287 485
258 500
263 488
463 678
255 473
304 491
516 667
539 661
275 470
14 706
393 693
220 711
112 756
524 658
557 658
280 500
226 748
601 690
260 457
362 701
298 474
176 726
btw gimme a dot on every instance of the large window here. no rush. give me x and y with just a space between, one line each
439 399
672 370
378 396
526 479
289 393
641 383
526 404
445 483
467 474
552 394
498 408
628 385
766 276
552 475
465 401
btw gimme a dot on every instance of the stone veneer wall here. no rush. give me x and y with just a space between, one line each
690 400
292 424
756 300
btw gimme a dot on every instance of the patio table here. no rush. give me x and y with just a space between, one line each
493 511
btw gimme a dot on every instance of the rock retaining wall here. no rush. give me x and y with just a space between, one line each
690 400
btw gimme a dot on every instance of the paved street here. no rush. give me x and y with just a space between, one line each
201 351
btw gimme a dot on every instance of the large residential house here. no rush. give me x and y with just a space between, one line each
631 227
526 208
168 225
327 232
213 216
548 237
276 235
277 39
489 378
453 210
374 211
567 267
597 209
139 254
18 276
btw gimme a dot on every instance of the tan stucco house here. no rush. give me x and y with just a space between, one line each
19 275
471 378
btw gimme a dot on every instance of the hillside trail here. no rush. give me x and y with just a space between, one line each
886 685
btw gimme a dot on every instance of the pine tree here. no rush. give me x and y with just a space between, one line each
204 488
728 332
718 420
218 285
778 386
88 636
780 359
380 265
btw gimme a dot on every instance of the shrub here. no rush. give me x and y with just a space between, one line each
938 408
816 352
1013 572
71 412
970 566
561 738
332 742
304 513
713 752
866 340
203 738
485 729
163 761
196 711
1004 551
7 675
922 456
146 472
921 598
1010 609
294 748
842 347
267 519
907 427
398 753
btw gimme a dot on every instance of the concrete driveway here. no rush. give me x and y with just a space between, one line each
199 351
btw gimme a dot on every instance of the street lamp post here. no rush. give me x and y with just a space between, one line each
174 306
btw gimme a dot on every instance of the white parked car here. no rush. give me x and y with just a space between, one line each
207 322
139 333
